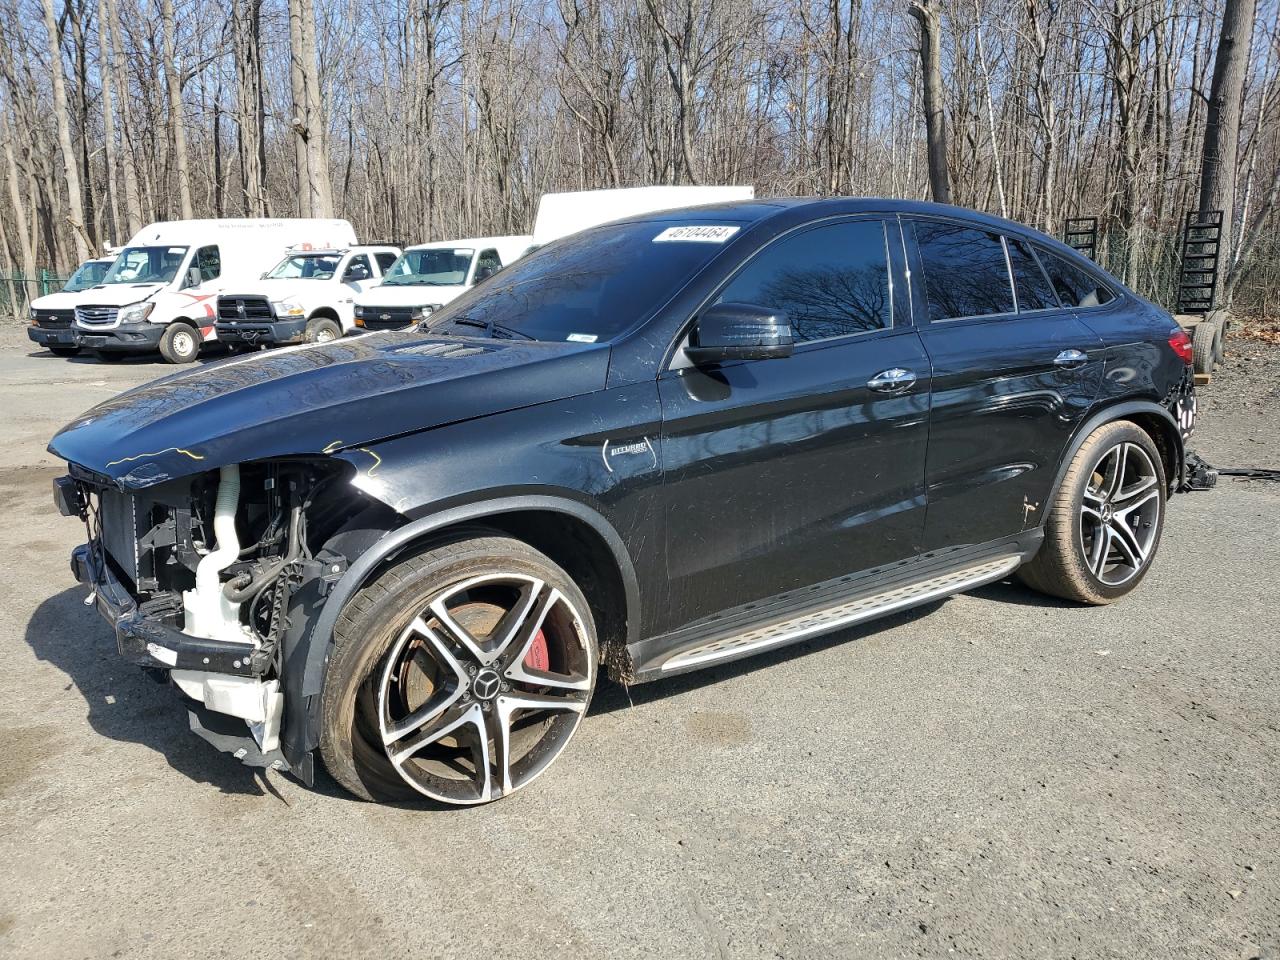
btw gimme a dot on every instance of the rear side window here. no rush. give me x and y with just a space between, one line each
1075 287
831 281
965 272
209 262
385 260
1034 292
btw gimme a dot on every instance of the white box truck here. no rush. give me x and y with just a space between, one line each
429 275
53 314
305 298
161 292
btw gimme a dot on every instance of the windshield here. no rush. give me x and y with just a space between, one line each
89 275
437 267
146 265
590 286
306 266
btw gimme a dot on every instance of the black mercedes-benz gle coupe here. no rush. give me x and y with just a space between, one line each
653 446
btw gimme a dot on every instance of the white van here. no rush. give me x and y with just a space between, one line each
560 214
161 292
53 314
429 275
305 298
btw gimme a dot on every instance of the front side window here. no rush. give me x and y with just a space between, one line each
385 259
209 262
487 264
1075 287
965 272
306 266
1034 292
433 267
146 265
831 281
357 269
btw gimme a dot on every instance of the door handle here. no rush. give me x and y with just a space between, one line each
1070 358
893 380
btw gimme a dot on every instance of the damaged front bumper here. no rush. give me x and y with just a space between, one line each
267 333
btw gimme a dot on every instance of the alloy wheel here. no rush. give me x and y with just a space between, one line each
484 688
1120 514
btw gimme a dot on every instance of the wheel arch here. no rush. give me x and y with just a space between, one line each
571 534
325 313
1151 418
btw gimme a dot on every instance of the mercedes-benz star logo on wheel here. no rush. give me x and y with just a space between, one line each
486 684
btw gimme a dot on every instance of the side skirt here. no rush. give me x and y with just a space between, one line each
808 612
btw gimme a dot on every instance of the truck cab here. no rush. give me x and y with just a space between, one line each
53 314
429 275
305 298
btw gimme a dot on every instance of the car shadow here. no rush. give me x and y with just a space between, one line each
1013 592
123 704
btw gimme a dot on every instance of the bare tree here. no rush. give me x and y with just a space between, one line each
934 119
71 174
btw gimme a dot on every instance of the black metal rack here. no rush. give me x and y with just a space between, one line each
1201 244
1082 234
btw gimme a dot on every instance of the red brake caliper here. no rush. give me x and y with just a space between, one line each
538 658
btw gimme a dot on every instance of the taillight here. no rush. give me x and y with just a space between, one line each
1181 345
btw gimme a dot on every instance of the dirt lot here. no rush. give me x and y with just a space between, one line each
993 776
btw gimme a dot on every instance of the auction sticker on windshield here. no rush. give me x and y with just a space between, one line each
699 234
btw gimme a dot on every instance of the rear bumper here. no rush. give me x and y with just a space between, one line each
52 337
150 643
269 332
126 338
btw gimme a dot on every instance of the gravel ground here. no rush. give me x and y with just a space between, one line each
993 776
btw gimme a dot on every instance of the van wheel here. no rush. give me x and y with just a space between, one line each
180 343
459 674
1105 522
323 330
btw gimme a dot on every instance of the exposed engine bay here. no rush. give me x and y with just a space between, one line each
215 557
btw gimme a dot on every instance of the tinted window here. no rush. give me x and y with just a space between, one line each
487 264
385 260
1075 287
831 281
352 272
965 273
210 262
1034 292
590 286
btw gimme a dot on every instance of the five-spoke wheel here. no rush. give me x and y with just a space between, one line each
462 673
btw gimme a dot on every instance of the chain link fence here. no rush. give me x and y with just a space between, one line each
17 290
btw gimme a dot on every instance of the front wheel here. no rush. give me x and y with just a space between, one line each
323 330
180 343
460 674
1105 523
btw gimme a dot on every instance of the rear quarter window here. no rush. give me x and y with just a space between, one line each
965 272
1074 286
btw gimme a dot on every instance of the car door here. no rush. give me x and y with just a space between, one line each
1014 373
357 277
784 473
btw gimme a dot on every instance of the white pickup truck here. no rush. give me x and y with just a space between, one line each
429 275
306 298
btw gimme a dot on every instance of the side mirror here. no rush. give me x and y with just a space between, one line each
739 331
193 277
262 275
483 273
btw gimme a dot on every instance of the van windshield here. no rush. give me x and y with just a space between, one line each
89 274
590 286
146 265
436 267
308 266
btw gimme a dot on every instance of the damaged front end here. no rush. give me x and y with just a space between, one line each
210 579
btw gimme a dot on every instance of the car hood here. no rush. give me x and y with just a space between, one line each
408 295
283 288
62 300
118 294
319 399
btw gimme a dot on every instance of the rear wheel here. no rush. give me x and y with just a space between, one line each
323 330
1206 346
180 343
1105 523
460 674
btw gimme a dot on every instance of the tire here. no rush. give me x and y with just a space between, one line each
180 343
1206 342
1087 555
1220 328
416 664
64 351
323 330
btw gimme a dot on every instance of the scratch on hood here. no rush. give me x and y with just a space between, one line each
140 456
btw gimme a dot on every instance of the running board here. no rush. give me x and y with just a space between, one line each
845 614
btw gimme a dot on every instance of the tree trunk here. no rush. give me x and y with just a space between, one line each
250 108
120 86
934 120
177 129
1222 126
314 194
112 233
75 196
